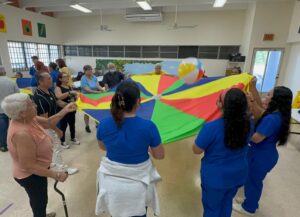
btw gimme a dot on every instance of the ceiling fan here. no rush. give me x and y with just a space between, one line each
176 26
102 26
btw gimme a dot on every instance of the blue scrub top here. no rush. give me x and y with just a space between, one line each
130 143
54 75
221 167
91 83
32 72
269 127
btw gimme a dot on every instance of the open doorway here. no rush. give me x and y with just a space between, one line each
265 66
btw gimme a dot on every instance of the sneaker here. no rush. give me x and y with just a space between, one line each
238 208
87 129
75 141
239 200
3 149
72 171
60 167
51 214
65 145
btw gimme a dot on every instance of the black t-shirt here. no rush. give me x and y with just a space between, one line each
46 103
65 90
69 98
113 78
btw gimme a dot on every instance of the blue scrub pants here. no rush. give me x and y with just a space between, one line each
217 202
260 163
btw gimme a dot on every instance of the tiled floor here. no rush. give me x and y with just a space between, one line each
179 191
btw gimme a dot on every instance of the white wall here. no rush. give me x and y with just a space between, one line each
270 17
214 28
292 77
212 67
294 36
248 27
14 30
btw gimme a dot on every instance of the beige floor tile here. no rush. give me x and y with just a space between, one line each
179 191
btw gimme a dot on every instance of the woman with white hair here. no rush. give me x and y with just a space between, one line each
31 148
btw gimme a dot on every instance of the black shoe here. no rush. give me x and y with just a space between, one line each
87 129
3 149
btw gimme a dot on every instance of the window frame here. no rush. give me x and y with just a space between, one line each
45 51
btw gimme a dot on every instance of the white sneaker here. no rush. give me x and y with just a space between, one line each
74 141
60 167
72 171
51 214
238 208
65 145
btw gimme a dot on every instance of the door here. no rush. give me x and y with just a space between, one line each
266 66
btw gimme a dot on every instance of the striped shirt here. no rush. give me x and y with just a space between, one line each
46 102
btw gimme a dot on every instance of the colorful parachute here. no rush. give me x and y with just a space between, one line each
24 85
179 110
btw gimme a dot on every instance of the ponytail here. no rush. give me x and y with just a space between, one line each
124 100
117 108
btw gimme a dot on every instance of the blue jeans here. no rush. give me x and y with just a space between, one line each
4 121
217 202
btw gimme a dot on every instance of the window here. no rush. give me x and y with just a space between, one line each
116 51
168 51
225 51
188 51
70 51
43 53
54 52
16 55
20 54
132 51
85 51
150 51
100 51
30 50
208 52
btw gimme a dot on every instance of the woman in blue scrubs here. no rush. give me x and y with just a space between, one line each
272 128
129 177
224 143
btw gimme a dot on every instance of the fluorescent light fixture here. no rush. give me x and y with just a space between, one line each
219 3
80 8
144 4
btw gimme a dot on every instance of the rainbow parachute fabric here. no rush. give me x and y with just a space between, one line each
24 85
179 110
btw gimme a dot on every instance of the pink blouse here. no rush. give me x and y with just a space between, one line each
43 146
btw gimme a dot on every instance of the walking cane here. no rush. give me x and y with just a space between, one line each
63 198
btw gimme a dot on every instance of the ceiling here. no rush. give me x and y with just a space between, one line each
61 7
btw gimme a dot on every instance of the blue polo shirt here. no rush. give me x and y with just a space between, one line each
130 143
91 83
221 167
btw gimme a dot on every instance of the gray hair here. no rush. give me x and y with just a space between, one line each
14 104
157 64
110 64
2 71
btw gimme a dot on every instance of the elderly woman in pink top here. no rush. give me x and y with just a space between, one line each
31 148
